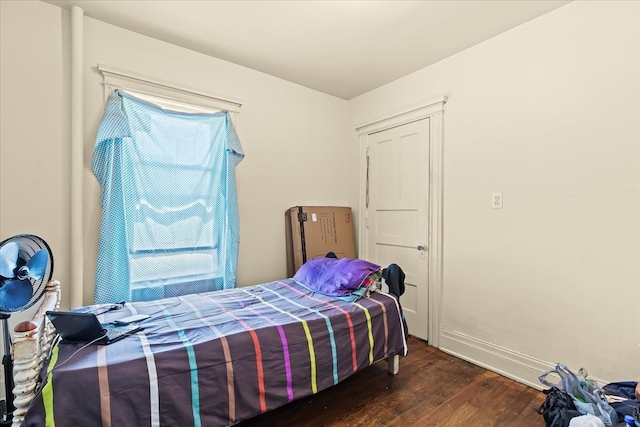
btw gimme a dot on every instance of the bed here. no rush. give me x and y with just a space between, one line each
210 359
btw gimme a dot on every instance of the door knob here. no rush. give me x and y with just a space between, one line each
420 248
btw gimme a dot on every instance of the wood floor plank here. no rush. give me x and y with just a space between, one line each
529 411
432 389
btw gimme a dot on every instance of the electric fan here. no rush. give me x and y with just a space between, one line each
26 266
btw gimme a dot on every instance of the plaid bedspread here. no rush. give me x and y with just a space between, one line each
217 358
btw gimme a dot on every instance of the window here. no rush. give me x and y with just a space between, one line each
170 218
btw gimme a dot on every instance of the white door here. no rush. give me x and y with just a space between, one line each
398 213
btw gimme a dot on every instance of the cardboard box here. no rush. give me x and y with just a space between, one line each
313 231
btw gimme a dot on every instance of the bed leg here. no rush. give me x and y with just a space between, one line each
393 363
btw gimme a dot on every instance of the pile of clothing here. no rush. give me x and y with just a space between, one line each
580 402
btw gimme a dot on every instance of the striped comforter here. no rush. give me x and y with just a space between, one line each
217 358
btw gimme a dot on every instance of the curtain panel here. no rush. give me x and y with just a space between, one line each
169 203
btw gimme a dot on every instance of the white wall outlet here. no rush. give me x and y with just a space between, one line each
496 200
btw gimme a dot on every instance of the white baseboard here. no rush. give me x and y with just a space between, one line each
506 362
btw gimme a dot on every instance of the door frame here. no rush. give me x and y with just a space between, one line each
432 109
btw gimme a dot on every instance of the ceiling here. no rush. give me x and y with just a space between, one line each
343 48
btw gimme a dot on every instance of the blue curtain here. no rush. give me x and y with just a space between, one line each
169 204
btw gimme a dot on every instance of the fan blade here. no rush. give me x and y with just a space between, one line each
15 293
8 259
37 264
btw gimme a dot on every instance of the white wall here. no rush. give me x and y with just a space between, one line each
34 131
548 113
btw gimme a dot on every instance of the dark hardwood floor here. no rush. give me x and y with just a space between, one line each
432 389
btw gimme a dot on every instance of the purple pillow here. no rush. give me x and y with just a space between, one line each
335 276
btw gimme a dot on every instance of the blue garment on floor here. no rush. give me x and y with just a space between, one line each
627 391
170 214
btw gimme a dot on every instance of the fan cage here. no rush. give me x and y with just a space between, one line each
28 245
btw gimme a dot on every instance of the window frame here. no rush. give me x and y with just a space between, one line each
168 96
